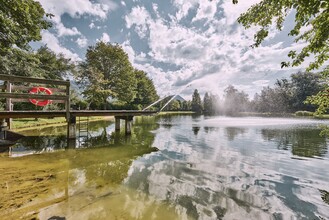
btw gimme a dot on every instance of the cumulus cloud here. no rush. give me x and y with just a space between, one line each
197 42
206 10
64 31
183 7
139 18
75 8
105 38
210 56
53 43
82 42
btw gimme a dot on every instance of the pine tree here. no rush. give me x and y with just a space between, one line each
207 104
196 102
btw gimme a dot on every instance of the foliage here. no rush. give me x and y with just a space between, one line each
20 63
305 85
210 104
311 26
53 66
207 105
43 63
235 101
106 73
21 21
196 105
288 95
146 92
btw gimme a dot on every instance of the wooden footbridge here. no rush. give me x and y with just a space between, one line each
22 89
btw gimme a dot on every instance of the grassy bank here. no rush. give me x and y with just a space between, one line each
177 113
30 123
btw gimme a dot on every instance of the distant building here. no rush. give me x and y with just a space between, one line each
179 98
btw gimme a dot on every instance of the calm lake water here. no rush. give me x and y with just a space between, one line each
171 167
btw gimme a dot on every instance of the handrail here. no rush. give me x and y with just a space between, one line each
12 78
22 96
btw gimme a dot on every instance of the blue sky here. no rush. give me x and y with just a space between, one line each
177 42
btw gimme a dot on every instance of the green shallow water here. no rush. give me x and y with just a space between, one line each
171 167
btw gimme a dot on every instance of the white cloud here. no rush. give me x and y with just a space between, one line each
82 42
232 12
52 42
75 8
183 7
206 10
176 53
91 25
139 18
261 83
129 50
105 38
64 31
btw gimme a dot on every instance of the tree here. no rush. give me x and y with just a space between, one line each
207 104
21 63
196 102
53 66
175 105
146 92
289 95
43 63
234 100
305 85
21 21
311 27
107 73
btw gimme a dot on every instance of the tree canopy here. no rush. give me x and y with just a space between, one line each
146 92
42 63
311 26
196 104
21 21
107 73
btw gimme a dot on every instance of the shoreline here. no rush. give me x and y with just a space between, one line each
55 123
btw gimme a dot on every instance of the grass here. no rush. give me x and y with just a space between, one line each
324 116
304 113
177 113
29 123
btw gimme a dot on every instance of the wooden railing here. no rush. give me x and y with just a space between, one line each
16 89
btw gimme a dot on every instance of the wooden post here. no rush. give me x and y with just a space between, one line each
117 123
9 106
67 102
128 122
3 128
71 128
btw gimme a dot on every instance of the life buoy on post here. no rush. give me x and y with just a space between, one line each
37 90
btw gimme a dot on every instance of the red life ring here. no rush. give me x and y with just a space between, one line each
36 90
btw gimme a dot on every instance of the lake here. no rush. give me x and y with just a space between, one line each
171 167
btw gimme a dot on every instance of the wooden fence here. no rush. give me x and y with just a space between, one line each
17 89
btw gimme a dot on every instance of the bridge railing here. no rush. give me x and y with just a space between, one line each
17 89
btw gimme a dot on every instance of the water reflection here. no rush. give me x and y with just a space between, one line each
78 183
175 167
232 132
215 171
196 130
303 142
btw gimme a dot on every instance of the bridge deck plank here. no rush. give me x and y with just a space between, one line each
47 114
